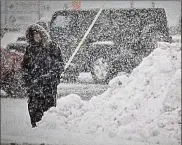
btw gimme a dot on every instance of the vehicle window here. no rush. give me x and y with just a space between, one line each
61 21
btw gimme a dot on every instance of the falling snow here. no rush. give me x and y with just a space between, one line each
122 86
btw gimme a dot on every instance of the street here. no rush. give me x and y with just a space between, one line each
85 91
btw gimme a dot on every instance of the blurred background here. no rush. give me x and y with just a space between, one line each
16 15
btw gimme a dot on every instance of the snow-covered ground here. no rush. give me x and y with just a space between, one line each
143 108
16 128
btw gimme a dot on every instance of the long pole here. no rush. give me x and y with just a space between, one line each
6 15
39 10
131 3
153 4
84 37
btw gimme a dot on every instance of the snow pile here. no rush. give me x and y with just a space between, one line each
67 109
142 107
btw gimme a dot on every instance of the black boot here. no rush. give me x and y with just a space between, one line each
33 124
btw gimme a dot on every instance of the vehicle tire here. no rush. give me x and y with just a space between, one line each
100 70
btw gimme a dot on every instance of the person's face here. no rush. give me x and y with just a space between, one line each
37 36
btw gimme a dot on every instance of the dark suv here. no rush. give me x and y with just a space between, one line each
118 41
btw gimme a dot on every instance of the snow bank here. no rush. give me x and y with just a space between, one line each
142 107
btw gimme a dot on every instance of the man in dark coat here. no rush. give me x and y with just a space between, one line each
42 66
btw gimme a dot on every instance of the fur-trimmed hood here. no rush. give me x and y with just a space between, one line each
35 27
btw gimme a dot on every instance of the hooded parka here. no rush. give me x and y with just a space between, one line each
42 66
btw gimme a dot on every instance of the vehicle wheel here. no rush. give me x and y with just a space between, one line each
100 70
149 42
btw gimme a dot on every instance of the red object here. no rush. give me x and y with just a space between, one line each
76 4
10 61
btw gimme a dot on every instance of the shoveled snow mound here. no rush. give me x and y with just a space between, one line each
142 107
